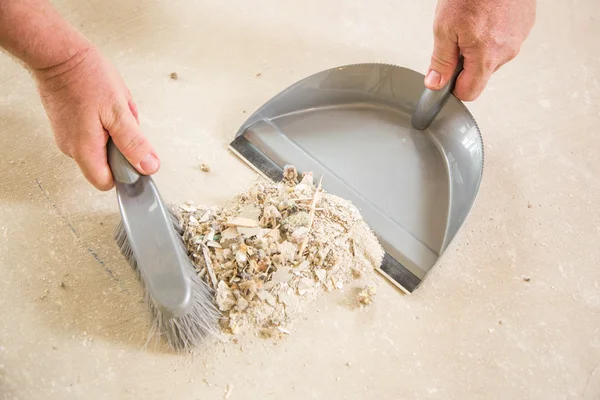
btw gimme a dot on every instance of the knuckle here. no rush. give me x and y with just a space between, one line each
485 62
114 120
100 184
471 96
494 41
83 155
135 145
78 155
64 148
483 37
440 29
466 95
442 60
498 46
103 186
99 181
513 52
488 65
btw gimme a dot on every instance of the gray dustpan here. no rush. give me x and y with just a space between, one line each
352 125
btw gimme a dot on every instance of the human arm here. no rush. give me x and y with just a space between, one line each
488 33
84 97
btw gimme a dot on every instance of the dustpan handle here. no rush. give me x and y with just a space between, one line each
432 101
122 169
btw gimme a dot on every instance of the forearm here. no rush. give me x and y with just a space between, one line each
34 32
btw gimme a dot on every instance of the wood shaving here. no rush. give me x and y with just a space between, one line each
276 247
366 295
209 267
228 391
243 222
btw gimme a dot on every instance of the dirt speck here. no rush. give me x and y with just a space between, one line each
45 295
365 297
204 167
526 279
228 392
258 74
174 76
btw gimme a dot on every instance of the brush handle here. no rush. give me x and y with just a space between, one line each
149 238
122 169
432 101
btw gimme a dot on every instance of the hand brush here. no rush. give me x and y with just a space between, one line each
149 236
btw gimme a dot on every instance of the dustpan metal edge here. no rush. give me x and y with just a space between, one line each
394 270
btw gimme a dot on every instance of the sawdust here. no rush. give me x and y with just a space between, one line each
275 248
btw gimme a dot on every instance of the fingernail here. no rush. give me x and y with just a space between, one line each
149 164
433 78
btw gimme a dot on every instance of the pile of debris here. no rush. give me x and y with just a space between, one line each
275 248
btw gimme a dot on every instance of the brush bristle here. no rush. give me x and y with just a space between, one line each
187 332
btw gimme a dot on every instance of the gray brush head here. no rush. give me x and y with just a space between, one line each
182 333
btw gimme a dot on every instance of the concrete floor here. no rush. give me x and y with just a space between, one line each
474 330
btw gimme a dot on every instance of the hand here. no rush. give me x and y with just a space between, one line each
86 101
488 33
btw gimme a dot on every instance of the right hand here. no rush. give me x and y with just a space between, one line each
488 33
86 101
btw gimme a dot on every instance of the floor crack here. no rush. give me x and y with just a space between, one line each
587 383
89 249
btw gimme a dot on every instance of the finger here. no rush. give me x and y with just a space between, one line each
443 60
510 53
90 155
127 136
474 78
134 110
132 106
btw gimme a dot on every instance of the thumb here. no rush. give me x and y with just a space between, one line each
125 132
443 61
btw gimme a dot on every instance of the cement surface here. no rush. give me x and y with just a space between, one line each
511 312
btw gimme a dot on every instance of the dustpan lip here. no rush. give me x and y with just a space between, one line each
253 117
256 115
